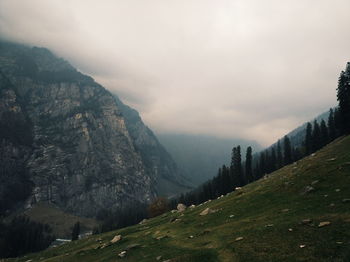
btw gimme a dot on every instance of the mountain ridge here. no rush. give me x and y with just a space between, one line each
66 137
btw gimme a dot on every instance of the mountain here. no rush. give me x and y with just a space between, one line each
200 157
157 160
64 139
272 219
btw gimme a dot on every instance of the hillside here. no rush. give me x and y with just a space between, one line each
278 218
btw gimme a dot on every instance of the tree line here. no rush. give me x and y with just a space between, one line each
21 236
278 155
254 166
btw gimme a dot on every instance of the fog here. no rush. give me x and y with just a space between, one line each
229 68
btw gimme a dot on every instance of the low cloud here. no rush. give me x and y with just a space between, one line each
245 68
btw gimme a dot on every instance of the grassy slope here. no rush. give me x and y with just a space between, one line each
258 218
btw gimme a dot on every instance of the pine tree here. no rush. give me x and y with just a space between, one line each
337 122
76 231
343 97
237 166
287 151
262 165
297 154
273 159
233 174
308 139
268 162
279 155
324 133
220 182
316 137
248 165
226 180
331 125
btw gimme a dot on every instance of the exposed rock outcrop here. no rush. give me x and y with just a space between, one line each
64 138
157 160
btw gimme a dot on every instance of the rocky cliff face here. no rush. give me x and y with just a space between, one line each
156 159
64 138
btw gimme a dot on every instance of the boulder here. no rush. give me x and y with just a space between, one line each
306 221
122 254
143 221
307 189
104 245
174 219
116 239
324 223
239 238
205 212
314 182
181 207
162 237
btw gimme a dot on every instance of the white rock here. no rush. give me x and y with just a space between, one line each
116 239
181 207
205 212
143 221
122 254
323 224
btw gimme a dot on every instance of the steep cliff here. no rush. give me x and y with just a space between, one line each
156 159
64 138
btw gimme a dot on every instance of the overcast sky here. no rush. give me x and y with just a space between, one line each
231 68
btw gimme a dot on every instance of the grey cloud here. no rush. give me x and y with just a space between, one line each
244 68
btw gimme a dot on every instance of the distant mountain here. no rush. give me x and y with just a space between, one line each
199 157
65 140
297 136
